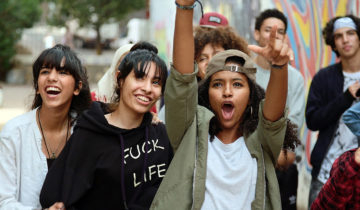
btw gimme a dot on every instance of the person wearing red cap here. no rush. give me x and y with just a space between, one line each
213 19
211 37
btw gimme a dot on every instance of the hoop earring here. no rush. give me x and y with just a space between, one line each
251 110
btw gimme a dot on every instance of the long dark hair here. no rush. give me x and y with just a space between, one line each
51 58
138 61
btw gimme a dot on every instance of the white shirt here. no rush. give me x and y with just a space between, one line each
230 176
23 165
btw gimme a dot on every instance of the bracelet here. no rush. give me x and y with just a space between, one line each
274 66
185 7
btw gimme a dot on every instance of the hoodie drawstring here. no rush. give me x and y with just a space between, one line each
123 168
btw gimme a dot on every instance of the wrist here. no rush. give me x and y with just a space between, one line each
276 66
184 6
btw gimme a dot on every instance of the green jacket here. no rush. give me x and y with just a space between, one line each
183 186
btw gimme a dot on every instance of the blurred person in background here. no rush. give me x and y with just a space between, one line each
342 189
332 91
286 170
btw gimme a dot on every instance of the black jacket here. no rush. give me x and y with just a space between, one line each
325 105
102 166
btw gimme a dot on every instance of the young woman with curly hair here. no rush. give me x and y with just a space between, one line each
227 145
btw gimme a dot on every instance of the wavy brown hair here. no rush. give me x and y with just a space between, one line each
219 36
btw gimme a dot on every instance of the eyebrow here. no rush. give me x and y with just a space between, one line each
337 33
234 79
203 54
278 29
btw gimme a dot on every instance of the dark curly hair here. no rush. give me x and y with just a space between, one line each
328 31
251 114
138 61
270 13
51 58
219 36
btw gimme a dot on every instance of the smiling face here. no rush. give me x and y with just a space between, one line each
346 42
229 94
138 95
205 56
56 87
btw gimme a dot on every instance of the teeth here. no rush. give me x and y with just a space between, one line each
143 98
53 89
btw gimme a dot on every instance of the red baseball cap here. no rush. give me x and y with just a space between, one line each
213 19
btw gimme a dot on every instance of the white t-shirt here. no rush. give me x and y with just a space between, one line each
230 176
344 139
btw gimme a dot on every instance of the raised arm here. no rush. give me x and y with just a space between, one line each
183 51
181 85
279 54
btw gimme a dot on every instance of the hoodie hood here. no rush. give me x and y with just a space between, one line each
93 119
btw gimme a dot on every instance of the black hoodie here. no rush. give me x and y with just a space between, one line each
102 165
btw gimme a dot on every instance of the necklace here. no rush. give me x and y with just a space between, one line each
53 153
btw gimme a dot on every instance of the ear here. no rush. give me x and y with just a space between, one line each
121 81
256 35
78 89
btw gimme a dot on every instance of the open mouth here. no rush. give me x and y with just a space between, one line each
143 99
52 90
227 110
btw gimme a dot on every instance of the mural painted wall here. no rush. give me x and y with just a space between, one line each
306 21
306 18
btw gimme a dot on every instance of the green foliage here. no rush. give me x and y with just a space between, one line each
15 16
94 13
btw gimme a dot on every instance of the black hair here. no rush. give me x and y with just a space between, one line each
52 58
145 46
251 116
138 61
328 31
251 113
269 13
